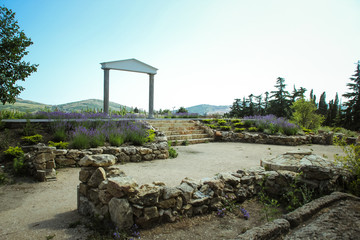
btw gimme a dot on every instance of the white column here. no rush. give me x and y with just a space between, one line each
151 95
106 91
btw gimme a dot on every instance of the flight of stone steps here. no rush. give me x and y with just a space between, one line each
181 132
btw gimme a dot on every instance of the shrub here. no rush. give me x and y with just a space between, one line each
18 165
239 124
240 129
212 126
350 162
253 129
97 140
61 145
29 129
33 139
248 123
151 135
221 122
207 120
59 135
116 139
235 120
80 141
172 151
14 152
225 128
304 114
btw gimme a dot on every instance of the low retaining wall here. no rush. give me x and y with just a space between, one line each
107 193
43 160
248 137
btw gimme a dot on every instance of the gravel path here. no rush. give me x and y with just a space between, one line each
32 210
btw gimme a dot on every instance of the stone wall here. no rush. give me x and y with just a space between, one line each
43 160
248 137
106 192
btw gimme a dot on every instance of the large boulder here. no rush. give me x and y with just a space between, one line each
98 160
121 213
121 186
97 177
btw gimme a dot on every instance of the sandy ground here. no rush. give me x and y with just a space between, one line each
32 210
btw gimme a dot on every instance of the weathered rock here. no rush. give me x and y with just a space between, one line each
169 203
104 196
316 172
85 173
272 230
85 207
83 189
73 153
93 194
114 171
120 186
123 157
99 160
229 178
171 192
135 158
121 213
97 177
147 195
58 152
144 151
44 157
187 191
96 150
64 161
200 210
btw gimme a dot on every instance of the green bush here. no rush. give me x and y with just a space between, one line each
248 123
212 126
239 124
135 138
225 128
19 165
116 139
60 145
305 114
350 162
29 129
14 152
221 122
3 178
240 129
33 139
172 151
59 135
151 135
207 120
80 142
306 130
97 141
235 121
253 129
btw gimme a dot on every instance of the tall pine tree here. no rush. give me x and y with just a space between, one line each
352 111
280 104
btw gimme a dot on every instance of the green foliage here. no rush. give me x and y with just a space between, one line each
235 121
248 123
29 129
11 114
14 152
306 130
240 129
225 128
136 138
172 151
297 196
59 145
221 122
185 142
80 141
279 105
207 121
182 110
253 129
239 124
304 114
346 132
212 126
96 141
3 178
60 135
116 139
33 139
18 165
270 206
350 161
13 44
151 135
352 111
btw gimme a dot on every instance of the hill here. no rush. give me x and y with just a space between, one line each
204 109
30 106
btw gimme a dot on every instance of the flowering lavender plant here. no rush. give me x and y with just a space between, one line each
245 213
272 124
221 212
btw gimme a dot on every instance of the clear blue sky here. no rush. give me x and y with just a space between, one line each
207 51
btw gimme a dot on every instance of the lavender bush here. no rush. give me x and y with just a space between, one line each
271 124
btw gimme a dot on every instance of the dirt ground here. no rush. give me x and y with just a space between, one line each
33 210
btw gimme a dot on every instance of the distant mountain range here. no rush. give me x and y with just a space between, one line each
31 106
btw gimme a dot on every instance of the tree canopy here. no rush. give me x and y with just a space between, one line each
352 111
13 44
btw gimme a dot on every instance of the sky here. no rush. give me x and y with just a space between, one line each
207 51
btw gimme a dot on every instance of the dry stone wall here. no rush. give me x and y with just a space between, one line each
106 192
43 160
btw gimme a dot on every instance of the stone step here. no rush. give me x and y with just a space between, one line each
185 132
191 141
187 136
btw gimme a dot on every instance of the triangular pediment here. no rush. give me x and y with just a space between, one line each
132 65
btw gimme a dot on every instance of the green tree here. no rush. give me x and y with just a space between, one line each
13 44
182 110
352 111
280 104
323 107
304 114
